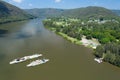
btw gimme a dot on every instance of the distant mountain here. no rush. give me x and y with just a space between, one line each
116 12
87 12
9 13
45 12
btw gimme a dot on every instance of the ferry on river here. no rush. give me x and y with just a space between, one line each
99 60
18 60
37 62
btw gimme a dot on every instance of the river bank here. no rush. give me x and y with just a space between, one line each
92 43
67 61
90 35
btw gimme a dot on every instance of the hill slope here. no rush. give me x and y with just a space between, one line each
9 13
45 12
87 12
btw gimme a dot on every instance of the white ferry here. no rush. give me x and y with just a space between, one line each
37 62
99 60
18 60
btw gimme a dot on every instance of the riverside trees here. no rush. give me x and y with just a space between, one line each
106 31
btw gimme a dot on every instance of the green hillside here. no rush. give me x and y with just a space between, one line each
10 13
45 12
87 12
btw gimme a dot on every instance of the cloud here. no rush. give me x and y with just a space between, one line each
18 1
57 1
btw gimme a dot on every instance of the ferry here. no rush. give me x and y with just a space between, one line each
37 62
18 60
99 60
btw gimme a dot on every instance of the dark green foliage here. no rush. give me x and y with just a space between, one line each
99 51
104 40
117 61
110 52
109 57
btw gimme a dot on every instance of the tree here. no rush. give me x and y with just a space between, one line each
104 40
99 51
117 61
109 57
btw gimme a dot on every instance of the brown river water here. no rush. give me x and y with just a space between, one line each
67 60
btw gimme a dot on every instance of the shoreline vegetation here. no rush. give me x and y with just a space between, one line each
103 35
90 43
93 43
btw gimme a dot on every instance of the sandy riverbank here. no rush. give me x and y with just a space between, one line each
93 43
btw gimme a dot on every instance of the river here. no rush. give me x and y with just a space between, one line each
67 60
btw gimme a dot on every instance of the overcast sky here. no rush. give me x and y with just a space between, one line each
65 4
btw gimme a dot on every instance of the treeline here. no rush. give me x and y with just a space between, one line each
65 26
110 52
106 31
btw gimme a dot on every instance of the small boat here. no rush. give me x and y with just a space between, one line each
99 60
18 60
37 62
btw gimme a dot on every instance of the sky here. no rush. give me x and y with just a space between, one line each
64 4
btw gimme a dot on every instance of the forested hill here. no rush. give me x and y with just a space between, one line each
87 12
9 13
45 12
